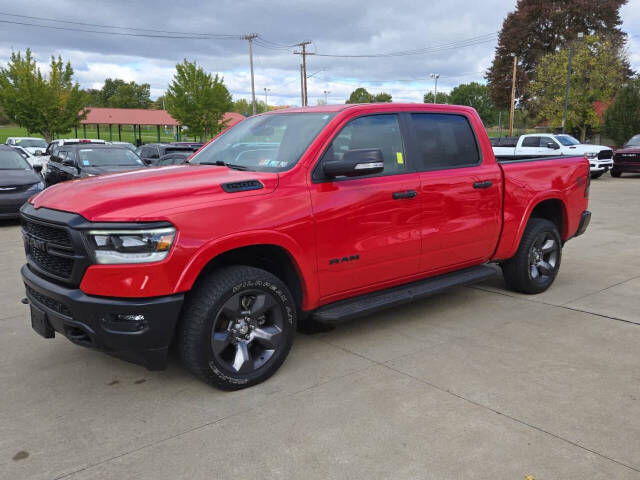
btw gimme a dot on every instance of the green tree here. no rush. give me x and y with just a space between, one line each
49 105
537 28
243 107
198 100
159 103
360 95
597 73
622 118
131 95
477 96
441 98
382 97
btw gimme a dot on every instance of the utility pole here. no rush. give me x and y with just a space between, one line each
435 76
304 53
266 103
250 37
301 86
513 95
326 93
566 94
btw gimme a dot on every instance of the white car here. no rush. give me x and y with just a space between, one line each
31 144
548 145
33 160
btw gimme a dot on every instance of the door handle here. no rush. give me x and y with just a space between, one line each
485 184
405 194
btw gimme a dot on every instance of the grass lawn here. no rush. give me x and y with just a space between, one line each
149 134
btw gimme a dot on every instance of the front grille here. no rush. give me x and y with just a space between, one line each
15 188
54 264
48 233
627 157
54 305
605 154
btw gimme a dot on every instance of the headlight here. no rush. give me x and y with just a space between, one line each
591 154
36 187
131 246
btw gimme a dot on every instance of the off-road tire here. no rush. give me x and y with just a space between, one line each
203 309
517 271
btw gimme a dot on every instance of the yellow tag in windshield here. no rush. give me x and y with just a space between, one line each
399 158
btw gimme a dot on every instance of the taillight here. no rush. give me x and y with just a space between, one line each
588 183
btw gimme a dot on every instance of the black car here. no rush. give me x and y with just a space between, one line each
18 182
176 158
88 160
150 153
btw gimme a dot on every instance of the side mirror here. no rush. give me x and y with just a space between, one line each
37 168
552 146
38 153
355 163
67 162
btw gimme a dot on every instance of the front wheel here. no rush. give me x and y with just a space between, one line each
595 175
237 327
615 173
537 261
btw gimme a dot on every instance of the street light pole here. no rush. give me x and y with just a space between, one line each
266 103
566 94
435 76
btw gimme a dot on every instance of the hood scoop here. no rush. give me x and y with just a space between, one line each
242 186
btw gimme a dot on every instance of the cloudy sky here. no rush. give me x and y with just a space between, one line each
344 27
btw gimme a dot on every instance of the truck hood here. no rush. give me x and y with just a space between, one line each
18 178
144 195
586 148
635 150
109 169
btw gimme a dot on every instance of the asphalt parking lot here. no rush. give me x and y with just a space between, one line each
475 383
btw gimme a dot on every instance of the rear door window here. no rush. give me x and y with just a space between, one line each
531 142
443 141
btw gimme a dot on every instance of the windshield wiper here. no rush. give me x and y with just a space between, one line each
220 163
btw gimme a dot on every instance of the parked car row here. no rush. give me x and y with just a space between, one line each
18 181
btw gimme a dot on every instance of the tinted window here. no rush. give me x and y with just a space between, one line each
102 157
531 142
444 141
11 160
374 131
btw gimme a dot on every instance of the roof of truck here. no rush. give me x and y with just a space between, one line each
365 106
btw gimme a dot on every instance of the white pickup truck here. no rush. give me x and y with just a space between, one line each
546 144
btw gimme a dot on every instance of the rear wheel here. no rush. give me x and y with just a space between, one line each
237 327
595 175
615 173
537 261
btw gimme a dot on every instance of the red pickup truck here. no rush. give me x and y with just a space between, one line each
302 215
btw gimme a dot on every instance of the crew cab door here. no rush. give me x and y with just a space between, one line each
367 228
460 194
537 146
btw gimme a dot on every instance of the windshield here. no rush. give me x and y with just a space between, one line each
266 143
106 157
11 160
634 142
567 140
31 142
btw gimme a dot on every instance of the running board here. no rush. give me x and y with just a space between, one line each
344 310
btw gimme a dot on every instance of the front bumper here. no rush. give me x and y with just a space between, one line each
596 165
10 203
93 321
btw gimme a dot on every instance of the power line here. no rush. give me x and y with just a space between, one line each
490 37
208 35
121 34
